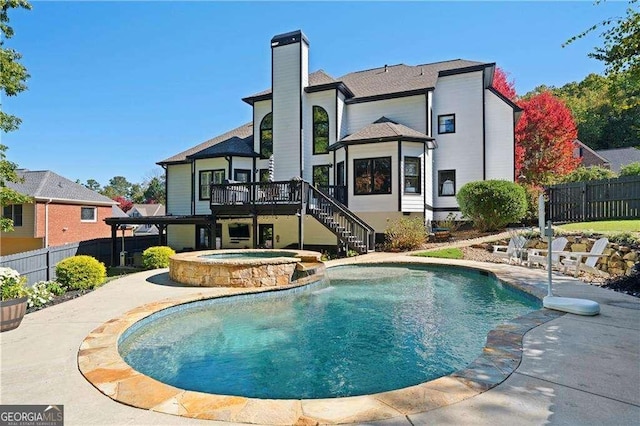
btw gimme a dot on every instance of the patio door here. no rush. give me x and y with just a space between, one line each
265 235
203 236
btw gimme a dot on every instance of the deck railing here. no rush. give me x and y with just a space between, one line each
285 192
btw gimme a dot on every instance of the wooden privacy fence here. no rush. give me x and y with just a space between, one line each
40 265
606 199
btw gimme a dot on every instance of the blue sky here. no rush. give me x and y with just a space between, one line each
117 86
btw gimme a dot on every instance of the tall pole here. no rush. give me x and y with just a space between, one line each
549 232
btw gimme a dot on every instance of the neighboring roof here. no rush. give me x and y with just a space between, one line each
589 156
619 157
387 79
383 130
242 132
47 185
235 146
117 212
149 210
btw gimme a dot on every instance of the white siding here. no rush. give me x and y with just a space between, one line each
202 206
429 188
326 100
342 117
286 110
430 114
374 202
499 138
460 151
410 111
413 202
179 189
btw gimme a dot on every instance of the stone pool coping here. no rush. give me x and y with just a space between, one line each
101 364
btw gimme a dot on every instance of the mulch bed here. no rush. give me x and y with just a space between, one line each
69 295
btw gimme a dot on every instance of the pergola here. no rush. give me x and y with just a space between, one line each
160 222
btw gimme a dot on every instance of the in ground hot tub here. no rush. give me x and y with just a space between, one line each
245 268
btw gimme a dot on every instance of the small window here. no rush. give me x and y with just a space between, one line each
87 214
13 212
320 176
412 175
446 183
447 123
207 177
320 130
266 136
372 176
241 175
264 175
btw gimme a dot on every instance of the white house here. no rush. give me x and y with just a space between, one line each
379 144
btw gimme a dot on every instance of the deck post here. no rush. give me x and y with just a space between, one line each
255 230
212 232
114 250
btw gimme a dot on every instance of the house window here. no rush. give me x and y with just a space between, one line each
87 214
446 183
412 175
320 176
340 173
207 177
264 175
320 130
372 176
13 212
241 175
447 123
266 136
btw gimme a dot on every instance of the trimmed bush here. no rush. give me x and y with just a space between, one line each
584 174
55 288
405 234
492 204
80 273
157 257
631 169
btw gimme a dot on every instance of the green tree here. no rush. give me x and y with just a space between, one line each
155 191
583 174
136 193
13 75
8 196
118 186
631 169
93 185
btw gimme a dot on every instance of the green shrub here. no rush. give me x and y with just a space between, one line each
492 204
405 234
583 174
448 253
532 192
631 169
80 273
157 257
55 288
624 238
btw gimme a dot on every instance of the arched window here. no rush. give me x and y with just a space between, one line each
320 130
266 136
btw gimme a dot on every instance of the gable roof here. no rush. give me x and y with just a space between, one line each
384 130
619 157
147 210
241 132
386 80
47 185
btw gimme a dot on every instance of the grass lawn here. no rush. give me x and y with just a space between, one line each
604 226
448 253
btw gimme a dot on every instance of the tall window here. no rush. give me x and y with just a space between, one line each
266 136
13 212
87 214
207 177
412 175
372 176
264 175
446 183
447 123
320 176
320 130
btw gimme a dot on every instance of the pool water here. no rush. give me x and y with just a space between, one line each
371 329
250 255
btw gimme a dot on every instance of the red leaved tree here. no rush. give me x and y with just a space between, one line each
502 85
125 204
545 137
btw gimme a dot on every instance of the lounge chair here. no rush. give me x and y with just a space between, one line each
513 251
539 256
574 259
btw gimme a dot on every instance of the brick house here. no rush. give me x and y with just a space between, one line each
61 212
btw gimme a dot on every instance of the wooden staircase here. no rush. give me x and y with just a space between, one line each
349 228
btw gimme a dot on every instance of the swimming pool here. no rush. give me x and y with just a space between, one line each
371 329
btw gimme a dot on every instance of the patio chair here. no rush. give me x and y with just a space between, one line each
513 251
539 256
574 259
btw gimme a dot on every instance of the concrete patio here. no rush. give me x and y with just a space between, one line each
574 370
